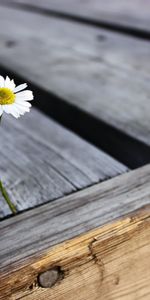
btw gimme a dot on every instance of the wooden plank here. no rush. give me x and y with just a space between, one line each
43 161
124 14
101 266
102 73
26 239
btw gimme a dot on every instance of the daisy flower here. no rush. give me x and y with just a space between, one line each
14 99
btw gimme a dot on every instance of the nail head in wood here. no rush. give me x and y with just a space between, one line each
49 278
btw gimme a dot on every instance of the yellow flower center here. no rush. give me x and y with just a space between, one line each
6 96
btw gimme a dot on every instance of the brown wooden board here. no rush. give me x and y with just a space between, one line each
30 243
134 16
41 161
115 264
102 73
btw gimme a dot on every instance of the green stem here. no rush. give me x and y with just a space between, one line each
5 194
6 197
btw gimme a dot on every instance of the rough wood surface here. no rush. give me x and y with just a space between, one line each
43 161
102 73
111 262
126 13
24 238
105 267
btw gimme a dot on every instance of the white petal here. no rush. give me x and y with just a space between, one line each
12 85
16 109
7 82
11 109
25 95
1 110
8 108
22 103
22 108
2 81
15 114
20 87
23 111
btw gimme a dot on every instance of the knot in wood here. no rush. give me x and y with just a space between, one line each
49 278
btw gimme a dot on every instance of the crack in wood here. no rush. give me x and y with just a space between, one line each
98 261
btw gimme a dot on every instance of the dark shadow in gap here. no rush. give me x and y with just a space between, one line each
119 145
108 25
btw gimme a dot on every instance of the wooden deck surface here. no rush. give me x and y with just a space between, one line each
125 14
44 161
69 162
78 63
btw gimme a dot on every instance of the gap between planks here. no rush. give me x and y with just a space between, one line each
120 17
102 71
44 161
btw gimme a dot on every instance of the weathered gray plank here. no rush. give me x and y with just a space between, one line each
102 73
43 161
25 236
134 14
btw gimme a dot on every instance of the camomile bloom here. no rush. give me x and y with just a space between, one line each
14 99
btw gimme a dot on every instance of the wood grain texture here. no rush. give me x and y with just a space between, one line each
111 262
105 267
43 161
26 238
125 13
102 73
